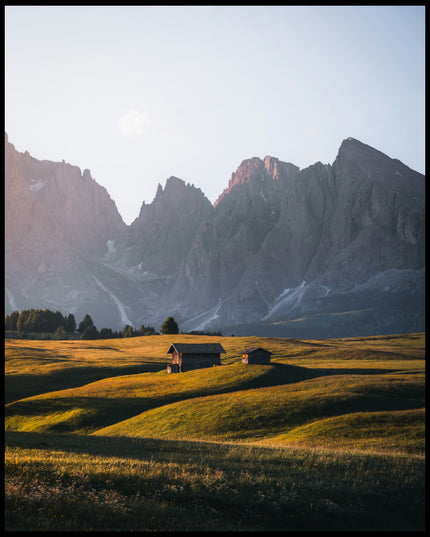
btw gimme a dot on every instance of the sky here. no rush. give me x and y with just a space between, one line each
137 94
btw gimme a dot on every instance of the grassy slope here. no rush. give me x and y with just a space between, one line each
304 388
394 431
34 367
263 413
112 400
86 483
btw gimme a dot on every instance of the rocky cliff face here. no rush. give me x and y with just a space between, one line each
320 241
59 224
162 234
325 251
57 200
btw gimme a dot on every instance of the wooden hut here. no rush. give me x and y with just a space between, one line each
188 356
256 355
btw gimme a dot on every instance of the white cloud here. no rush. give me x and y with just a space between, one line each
134 123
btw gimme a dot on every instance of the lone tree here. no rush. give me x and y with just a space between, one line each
87 322
169 326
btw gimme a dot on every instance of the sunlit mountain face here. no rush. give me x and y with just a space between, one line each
326 251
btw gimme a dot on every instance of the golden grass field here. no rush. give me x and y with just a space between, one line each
335 397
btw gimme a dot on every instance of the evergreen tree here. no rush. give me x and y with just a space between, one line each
127 331
61 333
59 319
46 321
87 322
21 323
90 332
40 324
38 320
31 322
147 331
51 325
10 321
70 325
169 326
106 333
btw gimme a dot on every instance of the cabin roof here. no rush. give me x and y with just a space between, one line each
197 348
253 349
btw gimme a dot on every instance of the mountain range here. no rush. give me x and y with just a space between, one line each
326 251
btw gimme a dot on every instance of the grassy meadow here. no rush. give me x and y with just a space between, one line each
329 436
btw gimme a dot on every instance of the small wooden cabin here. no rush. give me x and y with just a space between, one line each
256 355
188 356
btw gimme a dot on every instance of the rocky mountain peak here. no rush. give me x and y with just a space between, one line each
254 169
86 175
172 203
9 147
175 187
175 182
276 168
355 150
177 190
356 159
367 158
248 169
56 200
271 166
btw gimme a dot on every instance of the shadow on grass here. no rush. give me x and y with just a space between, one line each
20 386
287 374
86 414
77 413
134 448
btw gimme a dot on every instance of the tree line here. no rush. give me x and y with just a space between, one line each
47 321
37 320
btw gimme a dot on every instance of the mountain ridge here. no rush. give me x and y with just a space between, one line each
279 243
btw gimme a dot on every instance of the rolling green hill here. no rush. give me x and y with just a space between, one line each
329 436
307 383
265 412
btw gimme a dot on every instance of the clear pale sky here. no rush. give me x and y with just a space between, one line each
139 93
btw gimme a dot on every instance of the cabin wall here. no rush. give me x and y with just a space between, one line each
257 357
197 361
187 362
176 358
